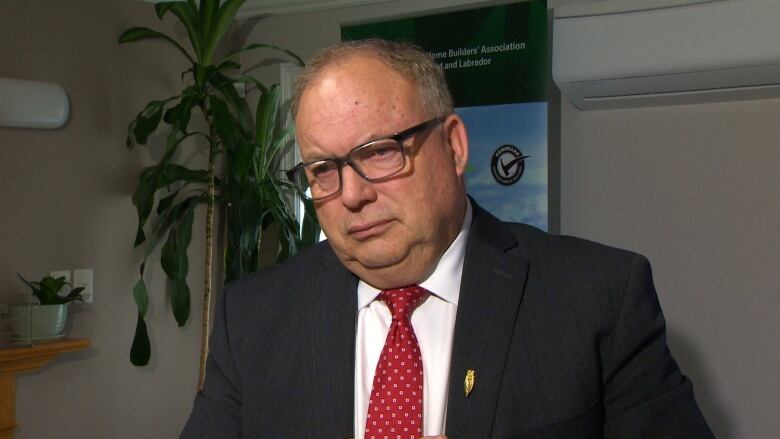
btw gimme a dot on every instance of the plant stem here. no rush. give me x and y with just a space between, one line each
206 325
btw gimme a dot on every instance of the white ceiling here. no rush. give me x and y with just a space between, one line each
262 7
265 7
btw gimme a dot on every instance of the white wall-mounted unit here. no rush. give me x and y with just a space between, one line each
32 104
624 53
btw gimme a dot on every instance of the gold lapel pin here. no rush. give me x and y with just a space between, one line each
468 383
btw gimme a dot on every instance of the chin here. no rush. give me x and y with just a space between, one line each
378 261
375 253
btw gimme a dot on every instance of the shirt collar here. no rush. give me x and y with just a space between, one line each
444 282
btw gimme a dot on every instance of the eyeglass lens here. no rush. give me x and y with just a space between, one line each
375 160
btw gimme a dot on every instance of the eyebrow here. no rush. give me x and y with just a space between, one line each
370 138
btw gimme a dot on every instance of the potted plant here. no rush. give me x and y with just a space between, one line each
245 185
44 320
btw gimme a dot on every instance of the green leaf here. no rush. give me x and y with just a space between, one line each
168 256
225 124
141 297
74 296
228 65
180 292
287 244
255 46
179 115
191 21
225 15
183 239
172 173
174 252
155 178
267 109
147 121
164 225
272 150
162 8
208 16
180 301
166 202
238 104
143 198
144 33
141 350
241 162
286 219
250 217
202 74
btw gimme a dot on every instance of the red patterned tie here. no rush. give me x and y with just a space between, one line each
395 406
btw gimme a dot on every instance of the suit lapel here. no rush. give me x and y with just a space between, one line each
491 290
332 335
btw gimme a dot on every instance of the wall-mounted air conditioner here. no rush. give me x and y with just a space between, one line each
617 54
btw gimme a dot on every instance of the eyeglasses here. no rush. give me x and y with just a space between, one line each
373 161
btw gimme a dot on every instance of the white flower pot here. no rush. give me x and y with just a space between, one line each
38 322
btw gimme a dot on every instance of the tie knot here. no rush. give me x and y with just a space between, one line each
402 301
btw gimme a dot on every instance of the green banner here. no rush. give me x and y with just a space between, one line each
495 61
492 55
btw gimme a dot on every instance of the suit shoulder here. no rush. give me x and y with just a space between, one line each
264 283
570 251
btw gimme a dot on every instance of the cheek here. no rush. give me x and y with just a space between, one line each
435 178
411 203
435 194
327 216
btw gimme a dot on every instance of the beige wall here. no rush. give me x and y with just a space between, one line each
65 195
695 188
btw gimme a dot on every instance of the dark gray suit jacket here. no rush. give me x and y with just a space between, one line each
566 338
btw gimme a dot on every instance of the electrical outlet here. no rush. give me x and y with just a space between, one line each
83 278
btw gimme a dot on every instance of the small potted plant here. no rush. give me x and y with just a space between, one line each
46 319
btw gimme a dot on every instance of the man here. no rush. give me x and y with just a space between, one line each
506 332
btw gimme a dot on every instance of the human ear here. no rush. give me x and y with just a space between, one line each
457 139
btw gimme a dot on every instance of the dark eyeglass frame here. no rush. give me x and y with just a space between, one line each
346 159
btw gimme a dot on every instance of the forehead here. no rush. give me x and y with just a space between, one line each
351 102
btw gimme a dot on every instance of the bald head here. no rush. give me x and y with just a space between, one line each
407 60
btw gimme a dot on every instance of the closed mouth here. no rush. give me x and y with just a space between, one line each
368 230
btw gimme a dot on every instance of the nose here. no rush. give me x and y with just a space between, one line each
355 191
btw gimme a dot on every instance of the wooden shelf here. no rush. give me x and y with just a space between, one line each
15 360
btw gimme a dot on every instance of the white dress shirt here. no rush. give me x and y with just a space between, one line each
434 324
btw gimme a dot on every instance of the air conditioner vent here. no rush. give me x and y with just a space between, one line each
691 53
